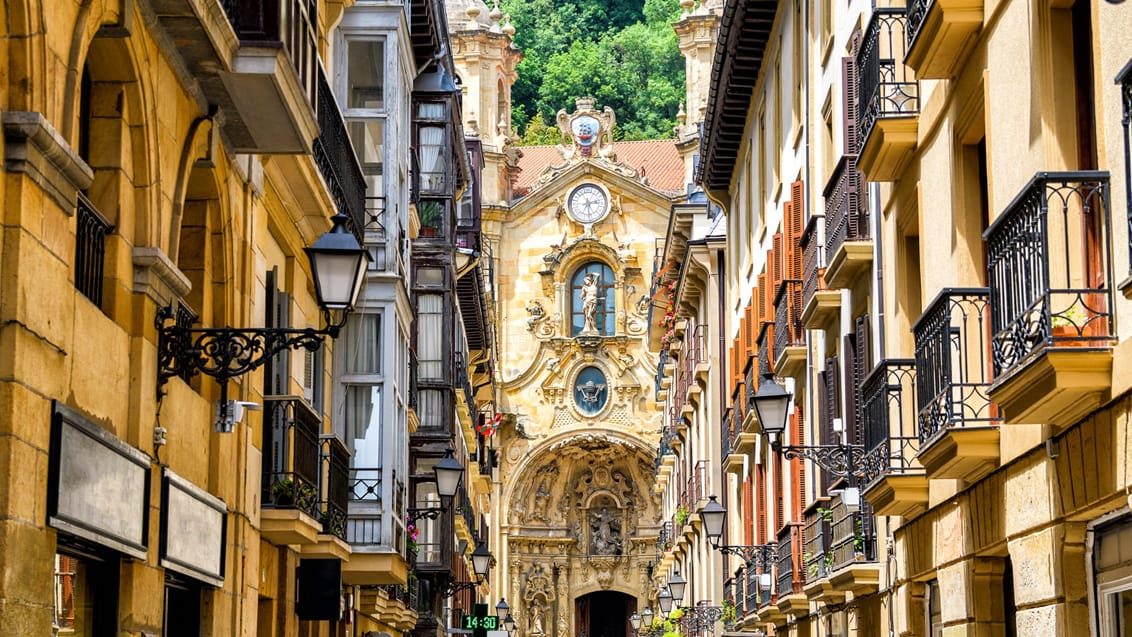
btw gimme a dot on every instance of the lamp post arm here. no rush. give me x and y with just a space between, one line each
762 554
224 352
841 460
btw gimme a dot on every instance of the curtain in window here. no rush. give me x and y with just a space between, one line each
363 433
361 344
432 158
430 334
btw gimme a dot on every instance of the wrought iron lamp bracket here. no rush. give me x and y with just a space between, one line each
431 513
761 554
698 618
457 587
840 460
227 352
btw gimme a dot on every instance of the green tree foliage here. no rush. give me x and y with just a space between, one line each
622 53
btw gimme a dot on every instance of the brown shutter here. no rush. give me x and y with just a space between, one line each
748 512
761 512
798 467
776 262
779 501
861 368
760 306
849 103
795 213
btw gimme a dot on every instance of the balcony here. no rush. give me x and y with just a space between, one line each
1050 277
694 365
750 386
941 33
790 336
337 163
696 490
374 559
894 482
848 242
333 494
256 61
290 493
820 305
791 570
958 424
890 97
817 555
766 351
853 549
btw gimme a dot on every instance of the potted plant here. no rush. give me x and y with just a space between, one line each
431 215
283 492
1069 323
682 515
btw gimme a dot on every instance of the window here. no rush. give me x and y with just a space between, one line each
182 608
359 354
432 148
366 74
1112 564
592 290
934 617
430 337
85 600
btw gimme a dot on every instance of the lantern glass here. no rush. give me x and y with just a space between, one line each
665 601
635 621
676 586
448 474
646 617
338 266
772 404
713 514
481 560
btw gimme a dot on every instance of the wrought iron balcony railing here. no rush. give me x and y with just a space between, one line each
291 24
335 158
853 535
791 575
335 488
846 215
750 385
766 352
726 426
1049 268
90 249
953 362
817 557
813 259
888 88
752 597
788 331
697 485
917 11
291 473
662 360
888 406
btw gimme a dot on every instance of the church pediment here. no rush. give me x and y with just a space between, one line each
621 189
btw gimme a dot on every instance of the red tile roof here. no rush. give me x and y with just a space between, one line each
658 159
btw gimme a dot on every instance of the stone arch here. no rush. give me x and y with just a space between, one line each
201 246
123 148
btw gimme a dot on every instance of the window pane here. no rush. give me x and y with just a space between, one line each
432 406
74 596
368 139
361 344
430 110
363 426
430 355
433 158
366 74
1122 607
605 311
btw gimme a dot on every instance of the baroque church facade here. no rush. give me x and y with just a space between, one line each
573 231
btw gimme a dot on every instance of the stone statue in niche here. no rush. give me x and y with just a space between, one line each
589 303
535 625
605 533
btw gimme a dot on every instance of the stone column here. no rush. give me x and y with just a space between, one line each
911 608
565 604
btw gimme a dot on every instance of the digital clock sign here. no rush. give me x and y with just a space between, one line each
484 622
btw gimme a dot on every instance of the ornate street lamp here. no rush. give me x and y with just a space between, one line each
338 266
646 617
665 602
714 514
635 621
676 586
772 403
502 609
481 563
447 472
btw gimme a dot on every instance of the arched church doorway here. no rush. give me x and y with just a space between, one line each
604 614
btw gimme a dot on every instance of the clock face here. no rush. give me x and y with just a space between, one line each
588 203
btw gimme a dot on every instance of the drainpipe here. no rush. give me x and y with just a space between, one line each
878 259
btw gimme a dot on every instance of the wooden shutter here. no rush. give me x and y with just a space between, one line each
748 512
776 262
798 466
849 103
736 364
779 504
760 306
862 365
795 226
761 512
